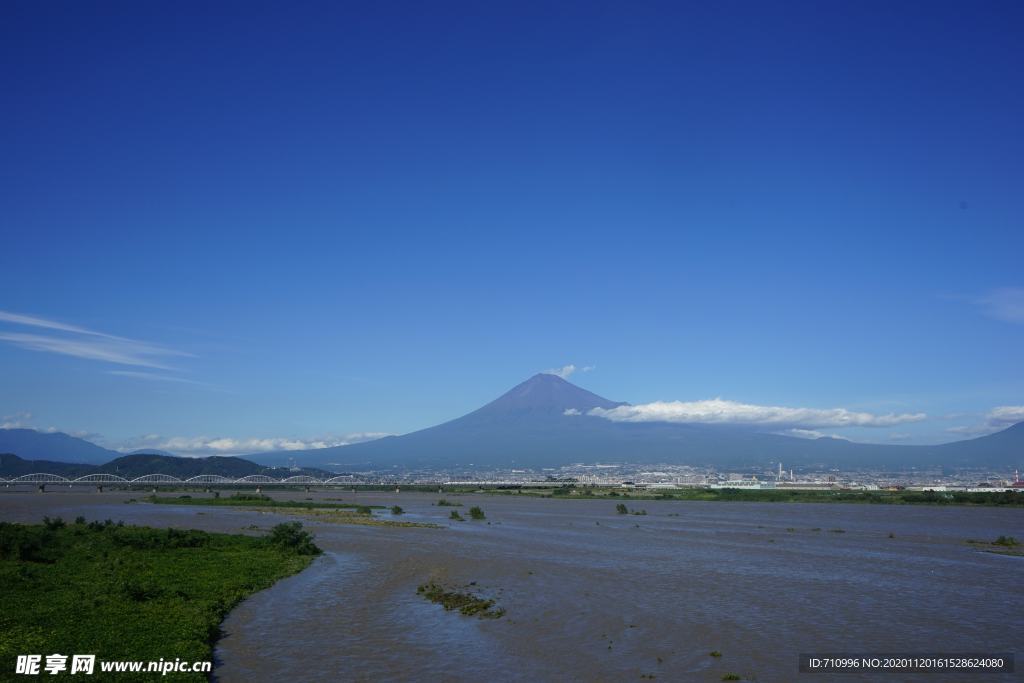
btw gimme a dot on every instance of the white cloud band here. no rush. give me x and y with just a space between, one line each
997 419
204 445
719 411
566 370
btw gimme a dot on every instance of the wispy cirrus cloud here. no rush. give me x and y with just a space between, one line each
122 353
719 411
81 342
33 321
1003 303
154 377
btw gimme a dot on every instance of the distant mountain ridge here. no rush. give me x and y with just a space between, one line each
151 451
34 445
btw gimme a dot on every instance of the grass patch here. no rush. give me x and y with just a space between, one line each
132 593
354 517
1004 545
250 500
467 603
447 503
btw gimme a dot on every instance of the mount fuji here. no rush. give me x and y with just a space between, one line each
544 422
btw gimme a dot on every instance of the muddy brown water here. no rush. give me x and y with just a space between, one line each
592 595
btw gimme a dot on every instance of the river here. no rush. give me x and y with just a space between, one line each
592 595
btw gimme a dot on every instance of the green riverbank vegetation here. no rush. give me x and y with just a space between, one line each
132 593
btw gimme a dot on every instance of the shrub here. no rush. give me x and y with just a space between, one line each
291 536
27 544
53 524
397 510
622 509
476 513
97 525
247 497
455 515
139 591
1008 541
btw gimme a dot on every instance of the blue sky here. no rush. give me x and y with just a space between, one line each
293 223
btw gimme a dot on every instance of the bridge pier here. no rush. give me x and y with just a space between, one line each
99 488
307 489
259 489
42 488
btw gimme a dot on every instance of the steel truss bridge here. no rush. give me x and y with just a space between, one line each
253 480
167 480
